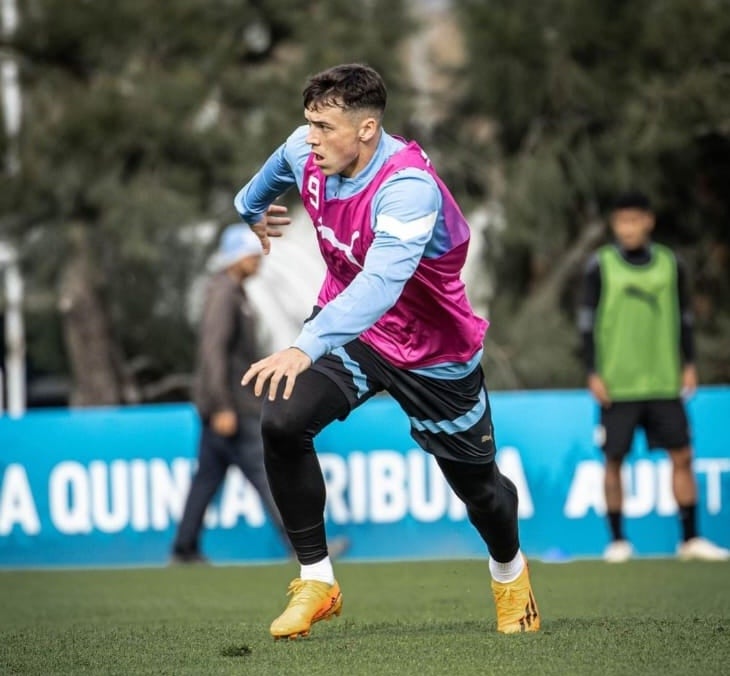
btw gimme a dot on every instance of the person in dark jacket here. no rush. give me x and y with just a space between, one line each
231 430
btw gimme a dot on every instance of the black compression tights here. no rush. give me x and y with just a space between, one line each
295 477
491 504
297 484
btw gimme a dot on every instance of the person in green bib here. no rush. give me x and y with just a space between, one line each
635 321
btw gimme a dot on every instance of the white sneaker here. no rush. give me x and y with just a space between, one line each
618 551
700 549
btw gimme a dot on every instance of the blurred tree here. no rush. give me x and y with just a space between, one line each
142 119
589 99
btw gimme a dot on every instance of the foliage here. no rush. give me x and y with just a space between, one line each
141 121
590 99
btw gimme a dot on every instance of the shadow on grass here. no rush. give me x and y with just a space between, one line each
236 651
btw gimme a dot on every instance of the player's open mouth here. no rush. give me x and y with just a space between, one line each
318 158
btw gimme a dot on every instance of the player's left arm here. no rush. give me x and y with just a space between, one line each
690 378
404 214
590 296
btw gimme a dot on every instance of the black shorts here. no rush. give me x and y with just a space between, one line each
663 420
450 418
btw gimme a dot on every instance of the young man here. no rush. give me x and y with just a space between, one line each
636 323
391 315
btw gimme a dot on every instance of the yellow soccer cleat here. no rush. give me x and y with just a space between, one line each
516 607
311 601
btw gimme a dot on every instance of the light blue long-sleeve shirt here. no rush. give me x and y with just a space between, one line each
407 224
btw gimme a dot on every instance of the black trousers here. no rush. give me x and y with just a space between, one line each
215 455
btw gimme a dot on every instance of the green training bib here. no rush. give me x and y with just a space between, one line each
637 326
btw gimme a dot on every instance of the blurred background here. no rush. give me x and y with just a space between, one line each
127 128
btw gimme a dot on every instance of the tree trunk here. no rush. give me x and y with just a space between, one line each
547 296
87 328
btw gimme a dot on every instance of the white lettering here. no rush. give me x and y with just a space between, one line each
387 486
16 502
713 469
69 498
358 486
239 498
110 507
586 491
140 495
647 487
427 503
169 486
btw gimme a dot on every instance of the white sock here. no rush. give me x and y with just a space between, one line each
322 571
507 572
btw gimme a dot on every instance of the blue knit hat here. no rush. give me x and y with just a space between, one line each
237 241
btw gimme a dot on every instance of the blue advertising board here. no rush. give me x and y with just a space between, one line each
106 487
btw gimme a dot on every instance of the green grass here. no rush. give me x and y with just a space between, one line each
644 617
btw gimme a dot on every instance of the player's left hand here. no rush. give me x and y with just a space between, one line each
689 380
286 364
268 226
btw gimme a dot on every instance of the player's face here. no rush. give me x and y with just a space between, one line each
632 227
339 140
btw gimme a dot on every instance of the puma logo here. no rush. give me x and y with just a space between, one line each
328 235
641 294
486 438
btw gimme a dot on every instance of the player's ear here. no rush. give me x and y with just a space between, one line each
651 221
368 129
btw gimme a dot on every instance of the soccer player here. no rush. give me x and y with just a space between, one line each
391 315
636 326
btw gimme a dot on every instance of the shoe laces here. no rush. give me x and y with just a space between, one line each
301 591
504 593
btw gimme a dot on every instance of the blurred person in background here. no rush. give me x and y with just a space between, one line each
392 315
635 321
230 414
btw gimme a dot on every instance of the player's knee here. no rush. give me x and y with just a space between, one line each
282 422
494 493
275 425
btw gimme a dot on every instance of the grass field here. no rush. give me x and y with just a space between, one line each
644 617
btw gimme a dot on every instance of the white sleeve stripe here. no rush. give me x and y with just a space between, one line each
405 231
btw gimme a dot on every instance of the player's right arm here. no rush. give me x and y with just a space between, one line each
586 326
283 169
690 379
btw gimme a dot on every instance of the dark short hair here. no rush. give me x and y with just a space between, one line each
633 199
351 86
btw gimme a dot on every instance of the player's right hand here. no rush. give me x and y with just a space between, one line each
283 365
275 217
598 389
